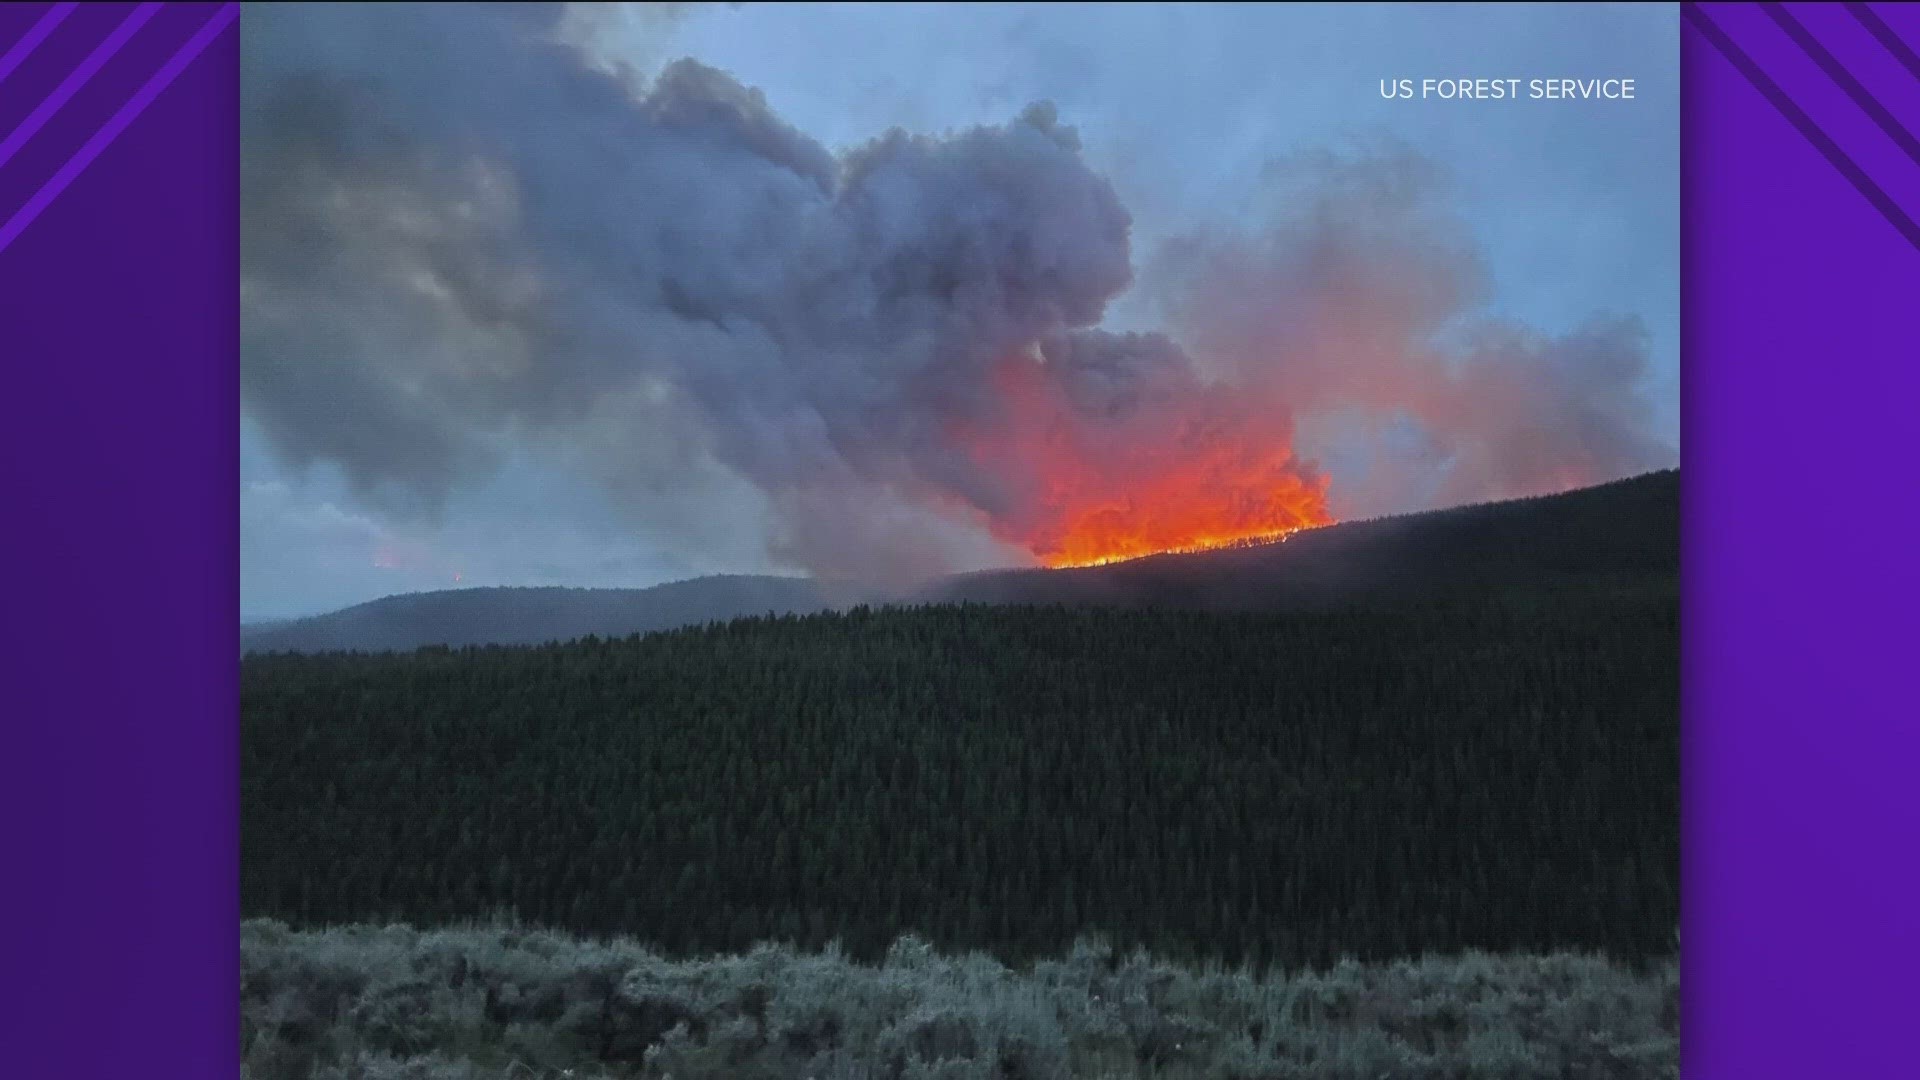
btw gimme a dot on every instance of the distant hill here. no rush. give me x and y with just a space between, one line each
1628 530
532 616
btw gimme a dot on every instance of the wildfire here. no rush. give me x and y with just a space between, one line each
1221 509
1138 552
1182 467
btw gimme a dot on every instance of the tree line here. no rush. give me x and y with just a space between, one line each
1489 771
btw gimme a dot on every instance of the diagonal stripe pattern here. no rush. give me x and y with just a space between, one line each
76 79
114 126
23 48
22 216
1856 92
1845 80
1891 41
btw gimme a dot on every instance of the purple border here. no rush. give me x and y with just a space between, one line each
119 348
1798 406
117 748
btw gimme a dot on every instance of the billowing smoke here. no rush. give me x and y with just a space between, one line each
461 235
1360 300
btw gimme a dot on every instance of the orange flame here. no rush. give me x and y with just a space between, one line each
1191 467
1189 506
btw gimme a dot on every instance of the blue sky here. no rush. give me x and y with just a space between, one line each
1573 206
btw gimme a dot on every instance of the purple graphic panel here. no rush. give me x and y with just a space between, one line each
118 343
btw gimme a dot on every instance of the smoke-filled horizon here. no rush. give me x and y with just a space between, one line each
472 249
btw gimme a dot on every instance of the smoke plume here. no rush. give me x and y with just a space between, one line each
461 235
1362 296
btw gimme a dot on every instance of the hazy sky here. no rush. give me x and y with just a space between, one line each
1572 206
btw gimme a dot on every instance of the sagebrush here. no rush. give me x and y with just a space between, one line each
397 1003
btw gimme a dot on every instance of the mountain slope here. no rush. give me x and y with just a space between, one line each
1615 533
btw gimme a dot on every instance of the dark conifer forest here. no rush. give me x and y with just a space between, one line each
1437 764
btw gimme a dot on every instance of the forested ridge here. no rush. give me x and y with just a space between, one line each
1628 527
1469 767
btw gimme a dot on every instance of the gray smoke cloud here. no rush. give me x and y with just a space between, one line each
463 234
1364 297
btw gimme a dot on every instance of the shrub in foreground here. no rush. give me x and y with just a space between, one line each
396 1003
